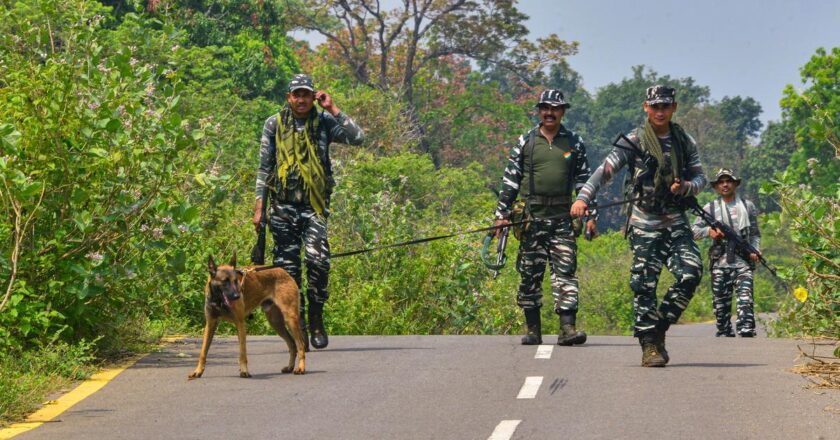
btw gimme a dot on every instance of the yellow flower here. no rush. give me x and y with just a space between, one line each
801 294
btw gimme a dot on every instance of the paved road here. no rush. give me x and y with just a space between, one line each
462 387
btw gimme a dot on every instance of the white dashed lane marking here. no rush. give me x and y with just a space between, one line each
544 352
530 387
504 430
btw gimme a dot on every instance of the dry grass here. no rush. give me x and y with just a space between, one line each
822 371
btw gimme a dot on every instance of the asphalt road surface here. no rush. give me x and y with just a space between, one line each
462 387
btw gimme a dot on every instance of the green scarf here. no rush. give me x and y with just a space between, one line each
298 151
650 143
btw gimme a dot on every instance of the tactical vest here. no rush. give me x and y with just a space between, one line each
723 247
658 205
550 175
293 192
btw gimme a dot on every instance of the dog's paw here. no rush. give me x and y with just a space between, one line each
195 375
299 371
244 374
286 370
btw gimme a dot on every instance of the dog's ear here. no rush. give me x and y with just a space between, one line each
211 266
233 260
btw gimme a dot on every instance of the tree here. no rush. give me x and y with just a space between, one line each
815 112
715 137
766 161
742 115
392 48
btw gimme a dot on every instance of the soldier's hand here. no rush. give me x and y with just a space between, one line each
677 187
592 228
326 102
579 209
500 222
714 234
754 257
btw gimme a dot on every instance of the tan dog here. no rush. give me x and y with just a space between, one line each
231 294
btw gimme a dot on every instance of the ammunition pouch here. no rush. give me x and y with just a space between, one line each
715 252
577 226
519 213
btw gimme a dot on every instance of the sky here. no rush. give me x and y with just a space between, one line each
735 47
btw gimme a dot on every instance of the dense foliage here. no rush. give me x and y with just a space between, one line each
809 193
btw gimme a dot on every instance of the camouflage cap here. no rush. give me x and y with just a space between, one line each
725 172
553 98
660 95
301 81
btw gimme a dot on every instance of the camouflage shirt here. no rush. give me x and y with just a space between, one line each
339 128
514 171
645 217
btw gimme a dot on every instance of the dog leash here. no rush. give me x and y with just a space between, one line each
458 234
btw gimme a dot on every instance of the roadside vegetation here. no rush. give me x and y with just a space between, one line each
128 148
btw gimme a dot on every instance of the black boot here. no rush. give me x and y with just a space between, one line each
532 320
316 325
568 333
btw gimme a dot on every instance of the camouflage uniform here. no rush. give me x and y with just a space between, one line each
292 220
659 235
546 240
729 270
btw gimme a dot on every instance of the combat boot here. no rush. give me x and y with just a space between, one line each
533 321
318 336
651 357
568 333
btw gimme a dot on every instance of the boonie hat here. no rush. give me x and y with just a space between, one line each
660 95
726 172
553 98
301 81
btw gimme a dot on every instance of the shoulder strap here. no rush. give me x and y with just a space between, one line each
570 184
532 141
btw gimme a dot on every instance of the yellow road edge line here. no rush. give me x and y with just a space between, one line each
54 408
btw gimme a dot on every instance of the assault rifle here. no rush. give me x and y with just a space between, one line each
501 258
742 247
258 251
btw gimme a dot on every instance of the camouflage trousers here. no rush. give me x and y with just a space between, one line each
293 226
675 248
552 242
724 281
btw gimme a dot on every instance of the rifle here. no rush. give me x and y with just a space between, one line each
258 251
650 169
501 258
742 247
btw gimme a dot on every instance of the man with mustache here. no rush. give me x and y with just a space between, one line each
728 269
549 163
659 230
295 168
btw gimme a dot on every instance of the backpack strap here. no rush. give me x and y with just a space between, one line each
532 141
572 164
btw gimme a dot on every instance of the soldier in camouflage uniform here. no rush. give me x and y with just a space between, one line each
548 163
730 270
295 169
658 227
